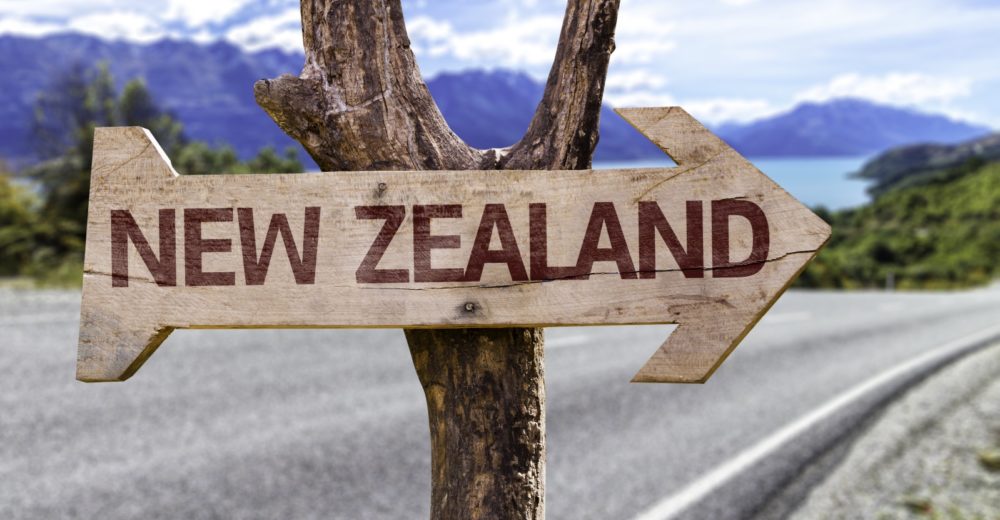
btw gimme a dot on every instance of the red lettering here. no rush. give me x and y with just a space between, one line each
303 267
495 217
123 229
604 216
722 265
539 254
651 221
367 272
195 246
424 242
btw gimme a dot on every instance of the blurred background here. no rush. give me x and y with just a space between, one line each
879 114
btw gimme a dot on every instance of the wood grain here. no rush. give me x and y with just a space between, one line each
122 326
360 104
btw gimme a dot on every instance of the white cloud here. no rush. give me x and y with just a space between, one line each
729 110
929 93
710 111
528 42
640 98
428 29
199 12
636 88
119 25
728 59
55 7
25 27
190 13
641 37
283 31
894 88
635 79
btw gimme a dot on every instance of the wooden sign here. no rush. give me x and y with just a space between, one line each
708 245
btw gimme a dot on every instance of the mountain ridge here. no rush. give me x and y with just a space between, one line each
844 127
209 87
922 164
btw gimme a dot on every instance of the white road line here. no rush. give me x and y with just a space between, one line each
674 504
568 341
786 317
34 319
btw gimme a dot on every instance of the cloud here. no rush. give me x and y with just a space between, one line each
283 31
124 25
26 27
894 88
54 8
640 88
730 110
29 15
901 89
200 12
729 59
636 79
528 42
642 37
636 88
119 25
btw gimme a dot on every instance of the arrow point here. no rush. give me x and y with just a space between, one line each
678 134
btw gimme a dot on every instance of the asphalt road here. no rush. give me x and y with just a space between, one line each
332 424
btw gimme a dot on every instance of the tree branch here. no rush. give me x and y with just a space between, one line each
564 130
360 103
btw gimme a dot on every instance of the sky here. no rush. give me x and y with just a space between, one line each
723 60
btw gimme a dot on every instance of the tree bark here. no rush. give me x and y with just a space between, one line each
361 104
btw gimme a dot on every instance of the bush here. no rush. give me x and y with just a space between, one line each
936 235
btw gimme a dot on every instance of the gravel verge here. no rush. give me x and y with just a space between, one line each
931 454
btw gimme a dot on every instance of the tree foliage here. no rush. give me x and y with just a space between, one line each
941 233
45 232
18 226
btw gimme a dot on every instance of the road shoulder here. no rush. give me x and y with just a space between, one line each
924 455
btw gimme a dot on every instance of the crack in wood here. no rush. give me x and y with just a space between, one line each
371 287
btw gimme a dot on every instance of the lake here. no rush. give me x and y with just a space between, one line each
814 181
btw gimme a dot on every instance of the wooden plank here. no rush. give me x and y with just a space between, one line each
708 245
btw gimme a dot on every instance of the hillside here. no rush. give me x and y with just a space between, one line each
941 233
921 164
844 127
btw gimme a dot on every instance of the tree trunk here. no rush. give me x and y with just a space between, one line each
360 104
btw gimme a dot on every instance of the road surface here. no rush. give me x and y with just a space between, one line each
332 424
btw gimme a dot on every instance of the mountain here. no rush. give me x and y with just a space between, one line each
843 127
492 109
210 89
924 164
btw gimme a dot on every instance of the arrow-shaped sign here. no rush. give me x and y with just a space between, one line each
708 245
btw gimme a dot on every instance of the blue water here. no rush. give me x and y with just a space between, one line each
814 181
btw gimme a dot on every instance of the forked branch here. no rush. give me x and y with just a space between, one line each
360 104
